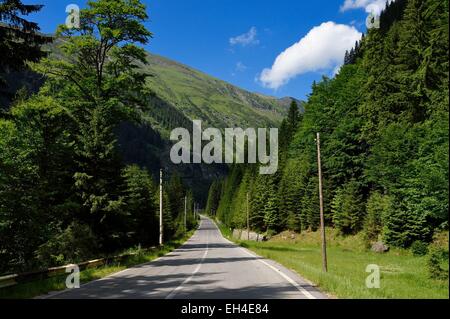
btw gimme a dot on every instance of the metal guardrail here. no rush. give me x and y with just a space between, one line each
14 279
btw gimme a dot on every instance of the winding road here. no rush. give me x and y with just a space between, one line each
208 266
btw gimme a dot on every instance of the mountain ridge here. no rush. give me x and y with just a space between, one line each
219 103
190 68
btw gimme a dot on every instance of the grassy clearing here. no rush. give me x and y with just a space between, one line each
403 276
38 288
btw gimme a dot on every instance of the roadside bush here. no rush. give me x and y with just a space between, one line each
436 258
419 248
75 244
270 233
378 206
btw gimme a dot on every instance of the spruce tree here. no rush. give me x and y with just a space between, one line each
214 196
141 198
20 42
348 209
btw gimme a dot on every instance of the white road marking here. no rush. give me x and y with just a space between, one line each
109 277
176 290
299 287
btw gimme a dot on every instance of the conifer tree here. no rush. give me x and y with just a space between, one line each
348 209
20 39
20 42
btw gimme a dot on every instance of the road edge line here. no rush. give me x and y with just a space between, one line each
51 295
299 287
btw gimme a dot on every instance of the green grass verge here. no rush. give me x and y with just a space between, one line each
42 287
226 231
403 276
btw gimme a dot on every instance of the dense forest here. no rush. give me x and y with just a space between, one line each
67 192
384 133
79 160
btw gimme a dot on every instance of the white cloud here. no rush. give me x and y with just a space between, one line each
246 39
371 6
241 67
323 48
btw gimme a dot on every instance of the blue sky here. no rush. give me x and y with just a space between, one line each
236 40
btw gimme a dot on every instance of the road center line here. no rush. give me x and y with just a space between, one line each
176 290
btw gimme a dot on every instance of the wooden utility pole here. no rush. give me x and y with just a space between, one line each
322 219
185 214
248 220
161 207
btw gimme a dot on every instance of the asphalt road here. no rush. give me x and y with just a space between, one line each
207 267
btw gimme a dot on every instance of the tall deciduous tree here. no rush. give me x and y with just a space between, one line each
98 81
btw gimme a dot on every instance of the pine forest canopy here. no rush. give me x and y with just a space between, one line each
384 126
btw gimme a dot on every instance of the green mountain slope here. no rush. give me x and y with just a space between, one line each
219 104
